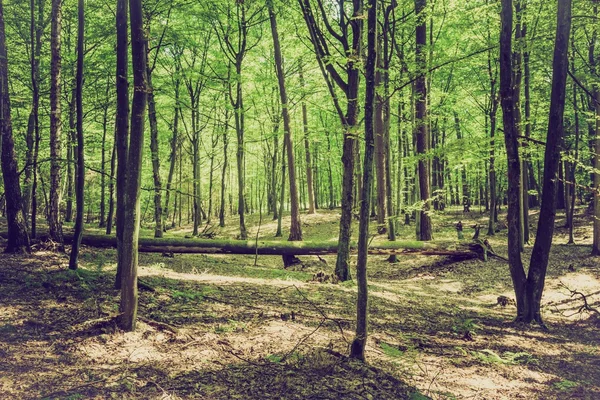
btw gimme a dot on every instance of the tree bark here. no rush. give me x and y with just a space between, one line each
421 120
102 223
543 240
512 153
121 126
380 152
154 151
54 221
18 239
174 144
309 172
357 348
131 226
224 169
111 190
80 167
296 227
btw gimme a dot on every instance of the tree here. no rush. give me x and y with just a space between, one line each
54 222
33 127
80 171
310 187
421 128
296 227
350 41
233 39
357 349
131 223
18 239
528 289
121 126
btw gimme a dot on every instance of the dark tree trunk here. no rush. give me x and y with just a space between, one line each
309 172
154 151
512 152
33 129
111 190
174 143
54 222
278 233
71 156
103 174
572 175
380 152
131 226
357 349
296 227
18 239
493 76
421 120
121 126
543 240
80 167
224 169
350 118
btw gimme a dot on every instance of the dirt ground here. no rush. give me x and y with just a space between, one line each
227 327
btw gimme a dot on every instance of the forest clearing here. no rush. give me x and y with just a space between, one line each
300 199
219 326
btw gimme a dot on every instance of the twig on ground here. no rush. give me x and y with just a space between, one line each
325 316
585 305
53 394
289 353
160 325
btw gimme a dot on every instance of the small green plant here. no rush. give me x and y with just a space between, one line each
274 358
418 396
466 327
392 351
565 384
507 358
186 295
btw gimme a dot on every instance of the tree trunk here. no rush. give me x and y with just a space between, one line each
18 239
380 152
296 227
357 349
596 240
543 239
33 129
421 120
121 127
329 172
80 167
111 190
131 226
309 172
54 222
278 233
173 156
154 151
103 174
512 153
224 169
71 156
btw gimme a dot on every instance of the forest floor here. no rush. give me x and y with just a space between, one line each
226 327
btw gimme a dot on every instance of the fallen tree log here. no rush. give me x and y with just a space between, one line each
265 247
457 250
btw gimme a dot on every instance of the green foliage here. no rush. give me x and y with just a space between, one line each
392 351
465 326
185 296
508 358
565 384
